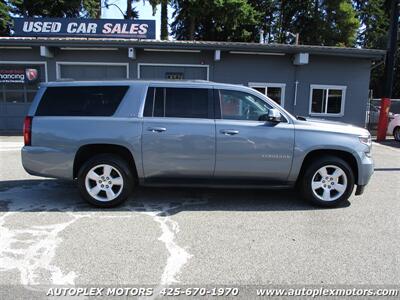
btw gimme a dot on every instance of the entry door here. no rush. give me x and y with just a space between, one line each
178 138
248 148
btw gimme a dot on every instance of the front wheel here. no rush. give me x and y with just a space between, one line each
327 181
105 181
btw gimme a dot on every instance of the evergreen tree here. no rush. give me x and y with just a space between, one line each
51 8
163 17
341 23
374 16
4 17
215 20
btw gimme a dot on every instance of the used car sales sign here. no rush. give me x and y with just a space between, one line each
70 27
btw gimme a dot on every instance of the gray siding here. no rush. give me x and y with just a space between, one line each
353 73
232 68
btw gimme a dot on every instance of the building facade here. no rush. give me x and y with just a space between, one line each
324 82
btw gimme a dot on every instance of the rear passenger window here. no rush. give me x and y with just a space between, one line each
177 103
81 101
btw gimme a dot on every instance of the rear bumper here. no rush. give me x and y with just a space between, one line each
47 162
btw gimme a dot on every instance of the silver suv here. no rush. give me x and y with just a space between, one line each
113 136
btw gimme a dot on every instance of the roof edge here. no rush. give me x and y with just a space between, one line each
373 54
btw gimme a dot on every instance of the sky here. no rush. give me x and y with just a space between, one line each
143 7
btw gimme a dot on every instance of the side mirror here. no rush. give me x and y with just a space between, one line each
273 116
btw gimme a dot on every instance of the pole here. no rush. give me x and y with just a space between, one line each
389 68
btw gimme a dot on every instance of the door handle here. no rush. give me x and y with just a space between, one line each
157 129
229 131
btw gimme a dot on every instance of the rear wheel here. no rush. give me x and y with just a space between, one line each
105 180
327 181
396 133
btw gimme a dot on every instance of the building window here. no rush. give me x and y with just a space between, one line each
92 70
274 91
19 82
327 100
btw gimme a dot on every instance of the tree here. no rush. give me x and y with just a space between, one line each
51 8
373 33
131 12
215 20
186 15
374 19
91 8
164 16
4 17
341 23
319 22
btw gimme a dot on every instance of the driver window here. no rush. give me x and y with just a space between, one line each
237 105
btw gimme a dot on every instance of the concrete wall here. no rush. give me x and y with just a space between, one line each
239 69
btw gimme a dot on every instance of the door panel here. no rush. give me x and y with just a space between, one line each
178 147
248 148
256 150
178 133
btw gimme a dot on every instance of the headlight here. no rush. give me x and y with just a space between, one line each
366 140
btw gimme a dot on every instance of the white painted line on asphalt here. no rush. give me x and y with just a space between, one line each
178 256
34 253
31 249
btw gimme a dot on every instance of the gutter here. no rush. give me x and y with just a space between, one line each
373 54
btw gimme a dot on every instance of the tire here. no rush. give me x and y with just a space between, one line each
396 133
325 191
105 180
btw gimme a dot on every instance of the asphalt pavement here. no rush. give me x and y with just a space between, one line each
196 237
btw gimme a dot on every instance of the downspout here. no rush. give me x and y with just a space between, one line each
295 96
296 82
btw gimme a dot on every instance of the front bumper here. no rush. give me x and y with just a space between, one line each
365 171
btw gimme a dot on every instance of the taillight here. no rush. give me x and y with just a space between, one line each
28 131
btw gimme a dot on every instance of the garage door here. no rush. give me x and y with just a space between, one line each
154 71
92 71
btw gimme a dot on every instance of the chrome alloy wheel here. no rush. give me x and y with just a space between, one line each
104 182
329 183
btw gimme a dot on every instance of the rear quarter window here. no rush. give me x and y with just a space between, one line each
81 101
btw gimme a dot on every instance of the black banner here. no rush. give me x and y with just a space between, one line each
18 75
